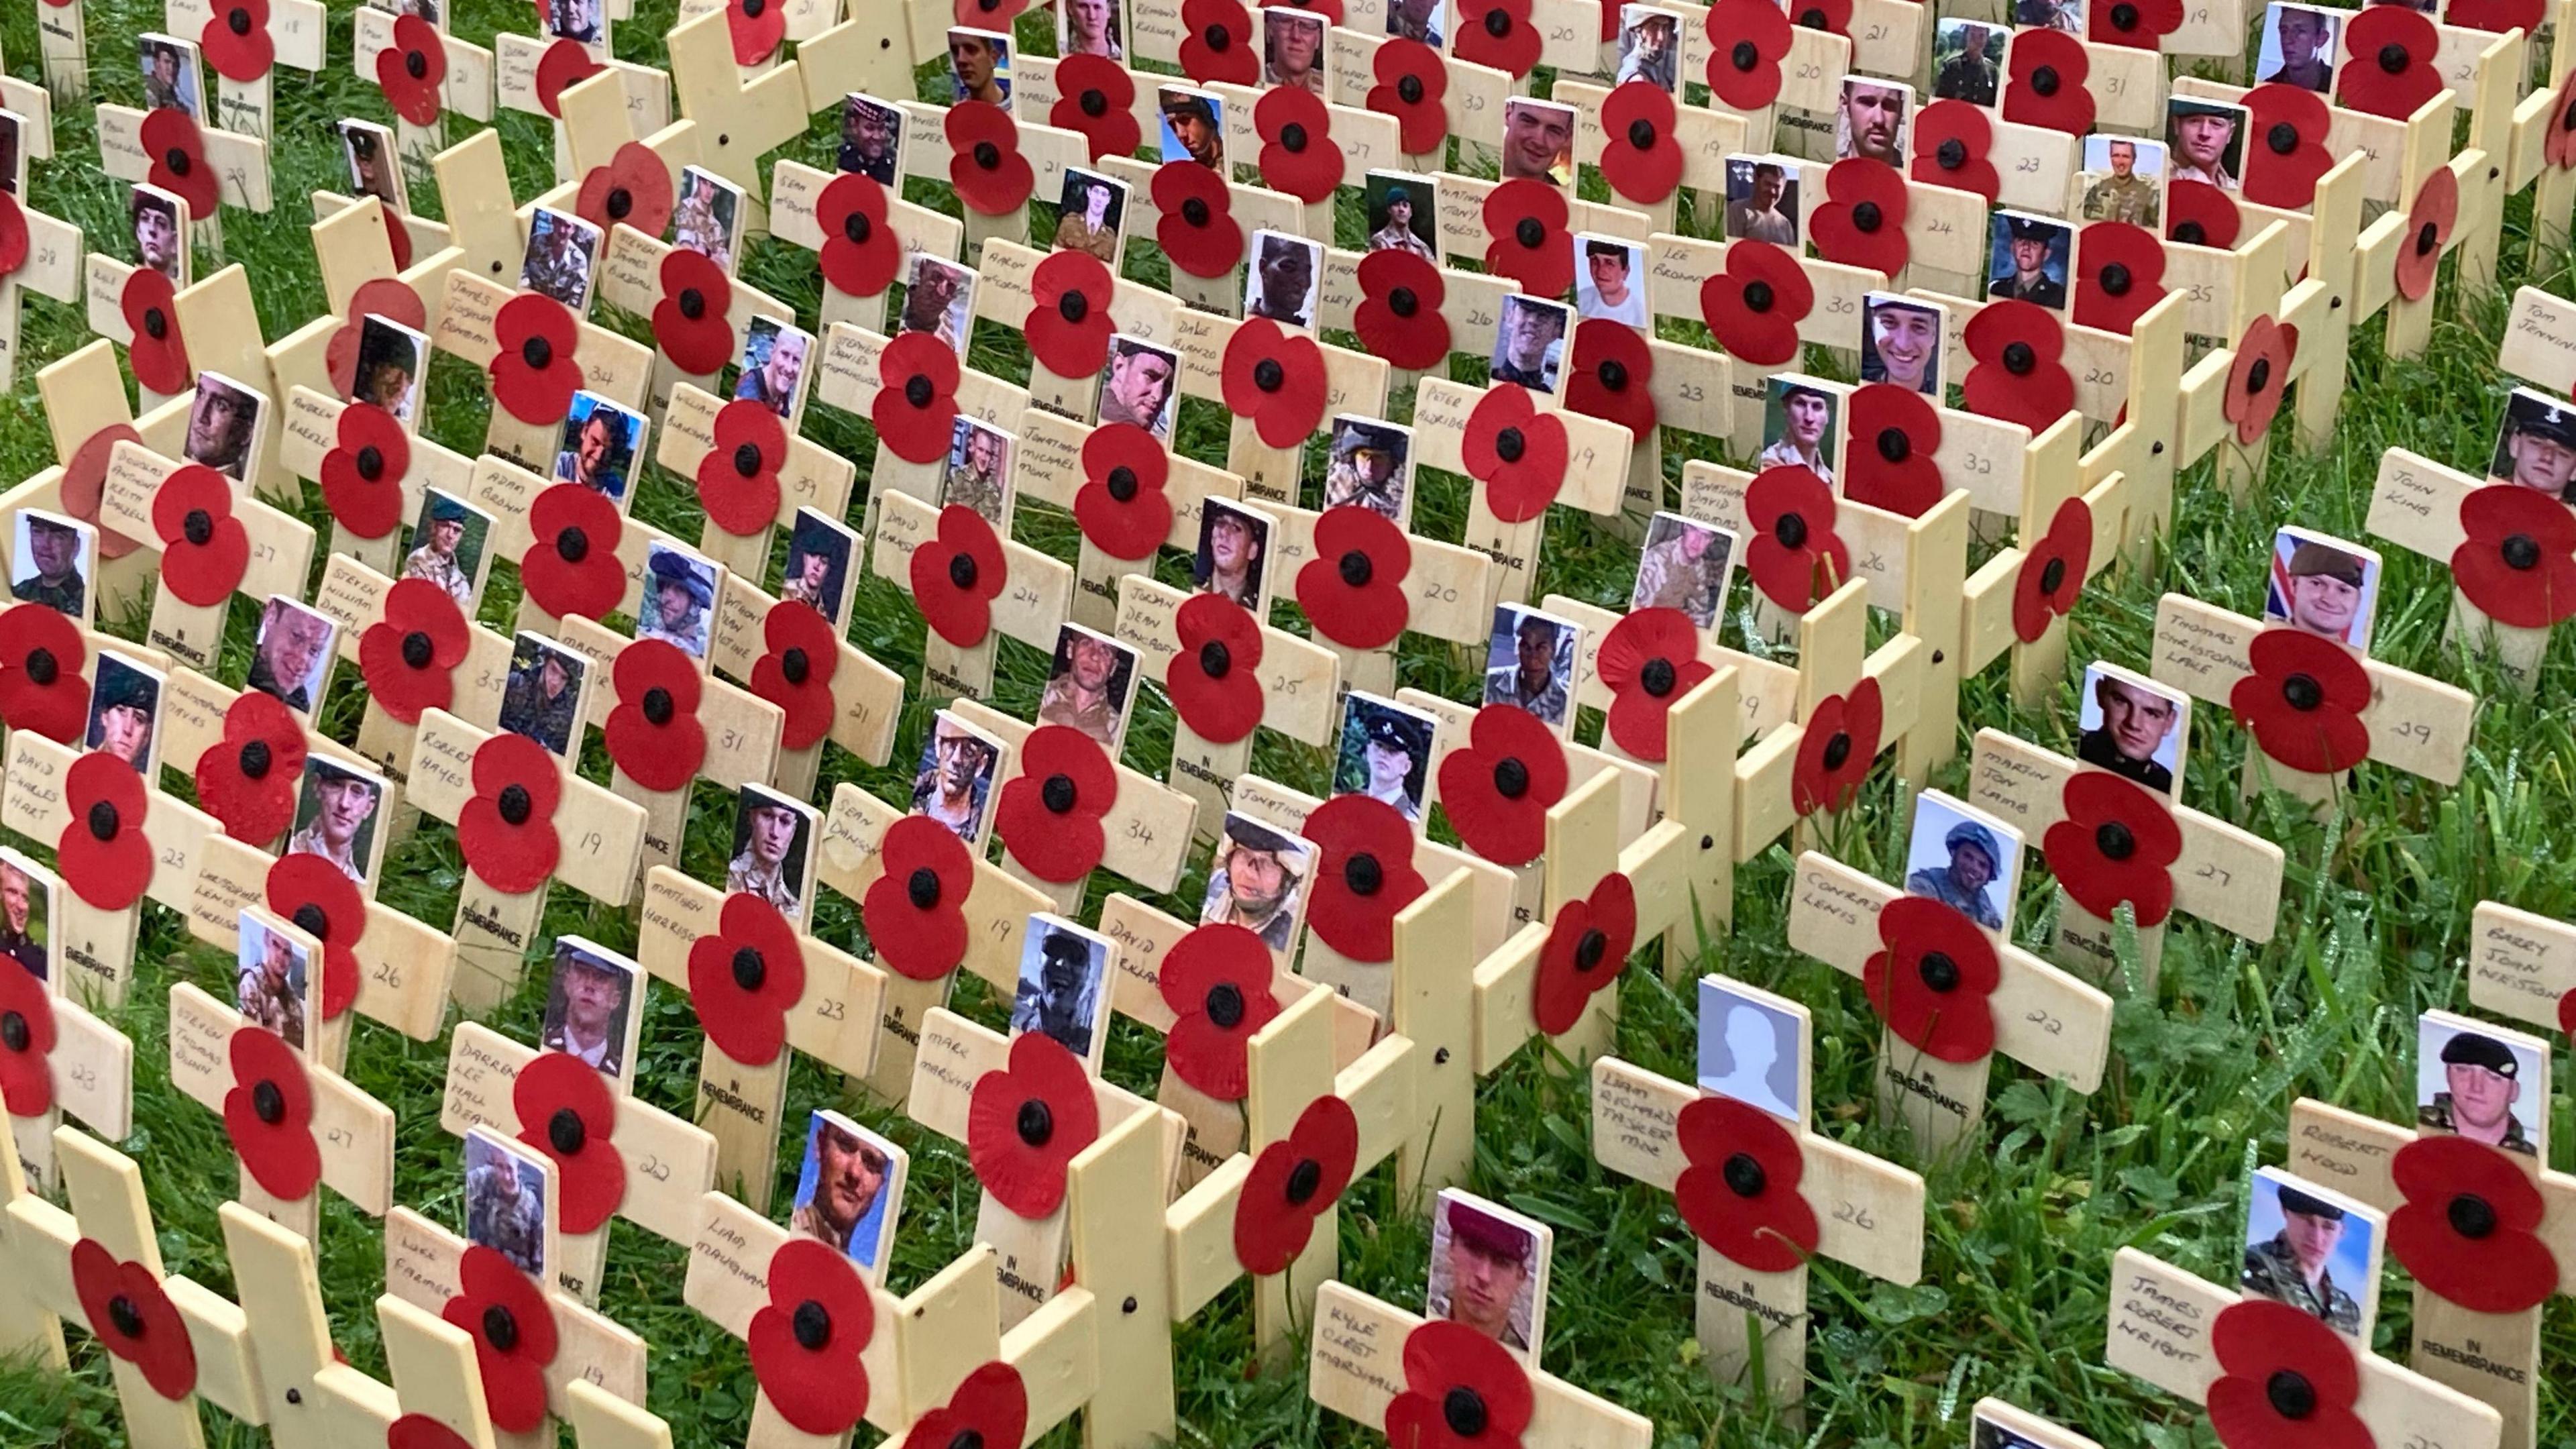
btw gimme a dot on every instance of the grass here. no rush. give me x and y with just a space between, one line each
2020 1232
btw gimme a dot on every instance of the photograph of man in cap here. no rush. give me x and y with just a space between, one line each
1529 661
1062 971
1093 212
871 138
2536 447
2478 1082
955 778
1257 881
817 574
1088 685
1488 1270
2321 586
334 813
1965 62
1193 127
1761 201
2030 260
221 421
153 215
124 710
772 835
1649 48
2127 726
599 440
1529 343
269 988
293 655
1959 861
2208 141
542 699
588 1004
1683 566
170 75
848 1191
45 566
1366 467
678 591
1397 222
1385 752
26 905
438 551
2295 1264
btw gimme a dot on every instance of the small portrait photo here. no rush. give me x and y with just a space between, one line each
1292 49
1489 1270
51 561
1370 463
1684 565
953 784
2066 16
291 658
1753 1047
160 236
817 573
601 441
1901 339
2300 44
1963 857
1286 277
1762 200
939 298
125 713
1193 126
1538 140
428 10
773 846
1257 880
1063 988
773 365
1530 340
223 426
274 978
546 693
2029 258
392 360
1234 555
1091 683
563 251
590 1006
1610 278
336 805
13 152
979 66
375 164
2483 1083
582 20
1139 385
27 914
1091 216
1091 27
1529 661
1385 752
850 1188
1801 427
2324 586
2536 447
871 138
708 217
1423 20
1870 120
1403 214
172 75
2132 726
1992 1431
447 546
679 598
1967 61
2123 180
507 1200
977 474
2207 140
1650 47
2314 1249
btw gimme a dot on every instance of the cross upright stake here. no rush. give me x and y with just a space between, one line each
343 1137
89 1065
1357 1369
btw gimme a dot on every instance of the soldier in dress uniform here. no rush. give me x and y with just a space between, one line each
2291 1266
2484 1082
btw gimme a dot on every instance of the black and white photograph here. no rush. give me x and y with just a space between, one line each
1192 127
2536 446
509 1205
1964 858
1369 463
1901 341
820 552
871 139
428 10
157 219
1967 60
1257 880
2207 139
772 364
1538 141
1871 120
291 655
708 217
773 849
392 362
603 441
1285 280
1762 200
1529 662
977 473
979 66
1063 990
2482 1082
1091 685
173 75
1385 752
2123 180
27 914
547 695
1293 52
953 782
338 810
1091 216
1685 565
125 713
1801 427
2300 45
1091 27
273 979
1530 342
2324 586
585 21
679 598
1140 384
375 164
849 1191
2133 727
1610 279
562 256
938 298
591 1007
447 546
1403 214
1753 1047
2314 1249
1489 1268
1234 554
224 426
52 559
2029 258
1650 47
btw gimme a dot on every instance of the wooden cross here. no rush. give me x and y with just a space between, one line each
297 32
2522 966
809 476
796 188
1149 826
315 421
739 120
1446 586
281 548
1003 295
1679 267
239 160
2420 505
741 731
62 35
1356 1369
51 268
466 87
867 695
611 366
1033 604
354 250
90 1064
852 374
1298 680
1596 472
481 213
1994 610
86 413
219 317
353 594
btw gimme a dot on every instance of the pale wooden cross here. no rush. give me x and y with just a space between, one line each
1680 267
465 84
1148 827
297 33
318 424
2424 507
1596 472
281 545
89 1064
741 731
739 120
1298 680
611 366
219 317
1356 1369
50 267
354 250
867 694
1035 599
239 160
2522 966
481 213
353 594
86 413
62 36
809 475
796 189
853 373
2058 512
1004 296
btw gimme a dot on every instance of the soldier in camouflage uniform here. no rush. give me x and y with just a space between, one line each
501 1216
2290 1266
2485 1082
55 550
540 700
433 555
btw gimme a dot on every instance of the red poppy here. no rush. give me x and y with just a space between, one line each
990 1407
2046 82
1740 1193
1609 380
916 404
235 40
1462 1390
534 370
795 671
1838 746
990 14
1755 304
397 237
1364 875
413 70
1353 588
362 474
1051 811
756 27
2257 377
1068 328
567 1112
1211 680
1831 16
1639 157
133 1318
861 253
571 567
1892 433
1196 225
507 831
204 549
1587 935
564 65
956 578
1862 223
84 482
1794 555
2468 1229
1649 660
916 907
268 1114
2137 24
1297 151
1525 219
2518 563
325 904
653 732
985 163
1399 313
689 322
1749 39
41 686
102 853
1098 98
2303 701
1216 980
247 778
738 477
2390 71
388 297
2558 148
178 151
1931 981
633 189
1294 1181
2286 152
1412 86
1275 377
1121 505
1027 1121
1218 43
2053 571
2122 270
805 1342
1498 789
2117 844
514 1336
1498 33
1951 139
2428 229
2496 16
420 1431
13 235
2286 1379
746 977
1517 451
2015 374
157 353
27 1036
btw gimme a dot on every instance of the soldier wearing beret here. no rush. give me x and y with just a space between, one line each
54 548
434 557
1489 1263
2323 594
675 605
1976 858
122 712
2539 450
2029 280
2484 1082
2291 1266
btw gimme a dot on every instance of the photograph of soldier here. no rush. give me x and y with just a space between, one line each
2064 15
375 166
1900 342
1137 385
50 560
708 217
773 846
1403 214
817 573
1422 20
2313 1250
1649 48
1752 1047
1529 342
1090 685
979 67
1285 279
1967 61
679 590
563 250
1684 566
125 713
2299 47
1063 985
26 914
582 20
223 425
505 1200
1962 858
2208 141
954 782
1610 283
1538 141
1257 880
171 75
335 816
2536 447
601 441
773 365
2123 180
159 238
543 699
2470 1081
1489 1270
1233 555
977 475
272 978
2323 586
1870 120
939 298
446 546
1090 27
392 359
291 659
2030 261
1529 662
1091 215
2132 726
849 1191
871 138
1385 752
590 1006
1370 465
1761 201
1192 128
13 153
1799 427
1292 49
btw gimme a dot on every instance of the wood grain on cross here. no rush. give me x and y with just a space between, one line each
2522 966
219 316
281 551
2418 505
739 121
1782 709
1299 694
1148 826
1988 623
352 1132
90 1066
52 267
352 248
852 374
612 366
86 412
1004 297
1356 1369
